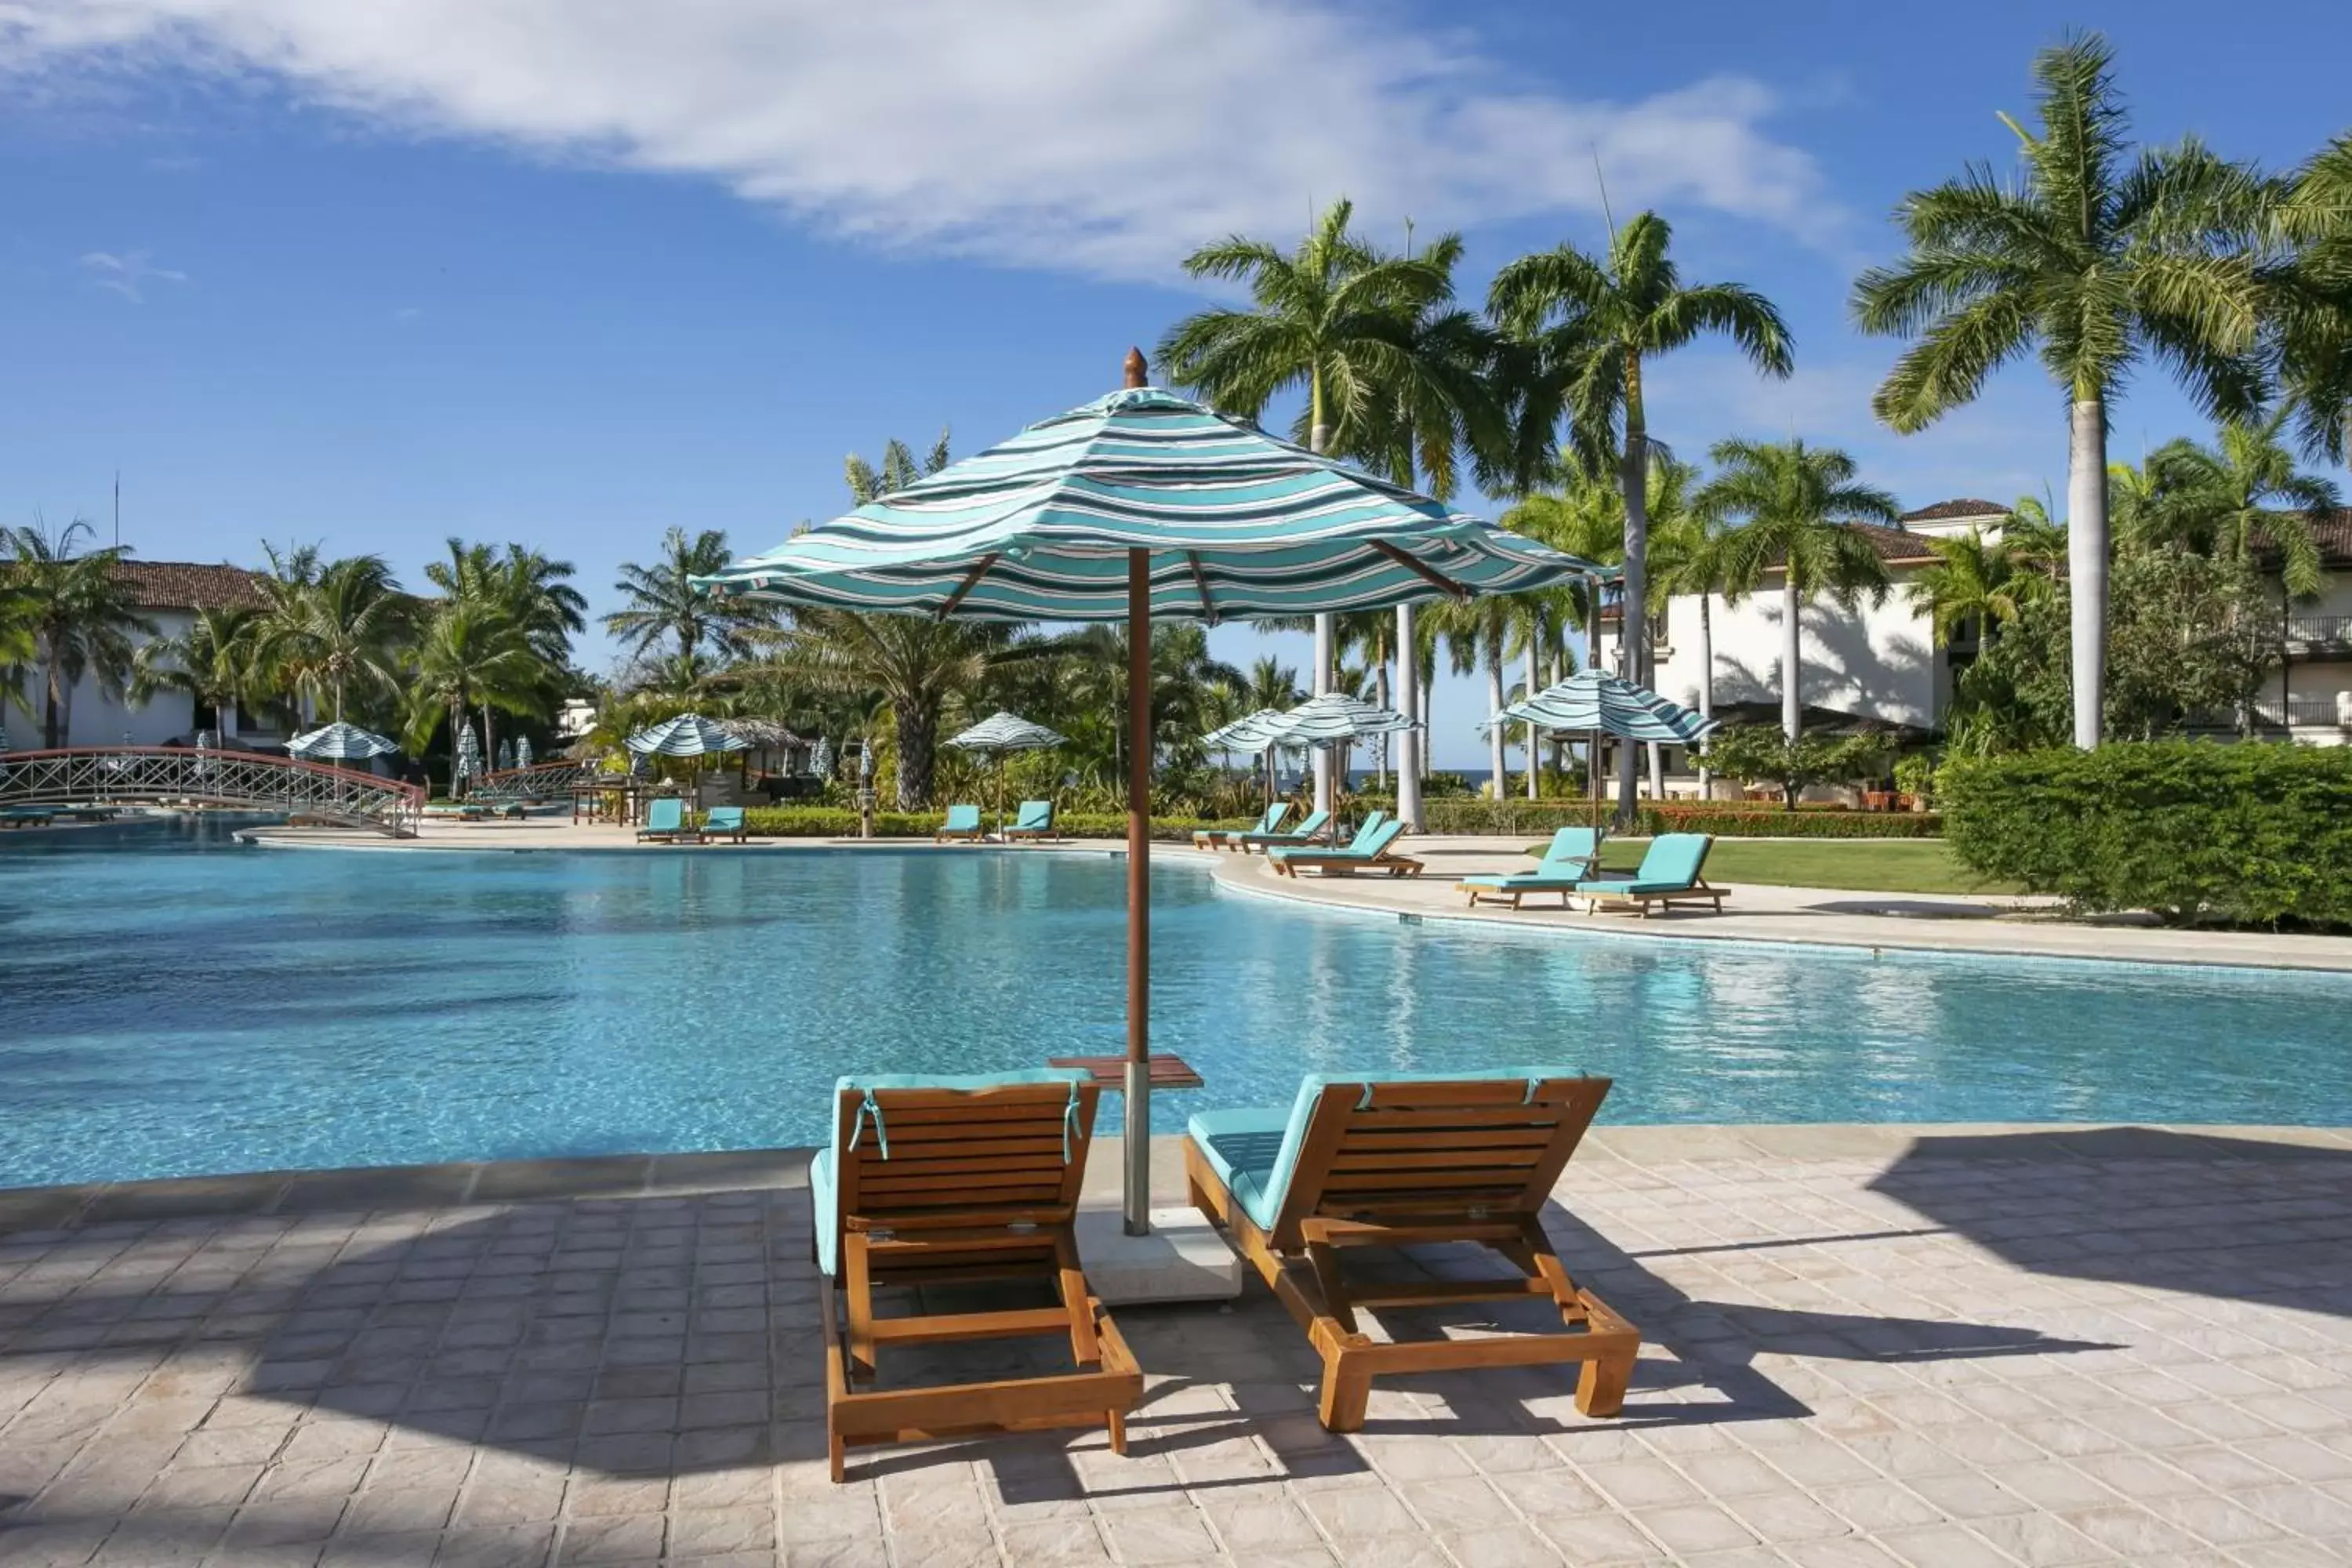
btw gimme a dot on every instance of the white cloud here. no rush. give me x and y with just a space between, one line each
1105 138
129 273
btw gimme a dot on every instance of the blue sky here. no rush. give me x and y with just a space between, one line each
570 274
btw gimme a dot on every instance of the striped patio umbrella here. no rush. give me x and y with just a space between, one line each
687 735
468 762
821 760
506 756
1143 504
340 742
1335 719
1000 735
1595 702
522 752
1252 732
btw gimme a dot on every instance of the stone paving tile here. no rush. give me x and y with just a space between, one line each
2003 1347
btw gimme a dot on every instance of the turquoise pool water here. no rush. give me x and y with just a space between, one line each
173 1005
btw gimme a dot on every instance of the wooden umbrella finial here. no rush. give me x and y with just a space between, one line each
1138 367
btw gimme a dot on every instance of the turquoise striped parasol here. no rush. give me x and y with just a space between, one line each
1000 734
1335 719
1595 700
340 742
522 752
687 735
1138 505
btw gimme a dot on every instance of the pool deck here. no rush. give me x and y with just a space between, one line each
1865 1347
1924 922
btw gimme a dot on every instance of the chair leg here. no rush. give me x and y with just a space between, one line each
1600 1384
1347 1391
858 1285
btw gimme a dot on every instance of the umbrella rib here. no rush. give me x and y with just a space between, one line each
1411 563
1200 586
970 581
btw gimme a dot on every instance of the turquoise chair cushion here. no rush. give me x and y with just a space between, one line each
665 815
1565 878
1671 865
1035 814
1370 840
824 1179
961 819
724 818
1576 847
1255 1152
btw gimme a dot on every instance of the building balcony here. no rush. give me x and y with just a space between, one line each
2301 712
2319 633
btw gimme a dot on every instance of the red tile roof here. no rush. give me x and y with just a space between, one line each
1963 507
189 585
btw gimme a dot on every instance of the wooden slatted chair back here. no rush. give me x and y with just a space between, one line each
917 1157
1471 1149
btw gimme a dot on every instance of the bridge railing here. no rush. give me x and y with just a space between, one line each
540 781
85 775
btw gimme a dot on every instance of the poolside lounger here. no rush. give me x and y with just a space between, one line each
1035 821
665 822
26 816
944 1179
964 822
1229 838
1368 851
1425 1158
1571 857
1669 874
725 822
1315 829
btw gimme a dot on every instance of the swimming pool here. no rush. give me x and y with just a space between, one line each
172 1004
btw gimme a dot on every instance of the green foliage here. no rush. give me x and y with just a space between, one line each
1757 753
2250 835
1915 775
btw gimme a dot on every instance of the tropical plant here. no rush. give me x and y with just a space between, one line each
1757 753
74 609
211 662
1979 580
1795 503
2244 496
2311 299
664 604
333 626
2098 258
472 654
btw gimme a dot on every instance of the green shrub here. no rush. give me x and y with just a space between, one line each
2253 835
1915 775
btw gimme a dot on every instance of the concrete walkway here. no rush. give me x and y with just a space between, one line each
1864 1348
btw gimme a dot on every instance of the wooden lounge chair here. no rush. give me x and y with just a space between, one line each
949 1180
1368 851
665 822
26 816
1668 874
963 823
1228 839
725 822
1316 829
1428 1159
1035 821
1568 861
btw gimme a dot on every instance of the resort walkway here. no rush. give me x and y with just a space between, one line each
1864 1348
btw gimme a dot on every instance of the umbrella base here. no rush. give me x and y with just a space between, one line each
1185 1259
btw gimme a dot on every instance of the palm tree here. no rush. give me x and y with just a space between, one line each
664 604
2099 260
1337 318
472 653
1592 326
1795 501
2245 492
898 469
212 662
1977 580
2311 301
343 627
1686 557
78 613
1477 633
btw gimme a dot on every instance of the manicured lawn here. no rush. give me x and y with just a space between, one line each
1873 865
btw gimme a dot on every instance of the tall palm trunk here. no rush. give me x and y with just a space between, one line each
1706 686
1409 743
1381 696
1792 633
1495 705
1318 436
918 728
1634 624
53 709
2086 560
1535 757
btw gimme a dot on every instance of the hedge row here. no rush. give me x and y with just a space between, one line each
1725 819
2247 834
841 822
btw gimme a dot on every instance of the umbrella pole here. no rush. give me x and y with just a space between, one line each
1137 1203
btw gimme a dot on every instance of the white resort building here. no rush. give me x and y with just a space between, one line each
169 593
1880 665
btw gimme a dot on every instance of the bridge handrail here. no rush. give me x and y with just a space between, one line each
366 797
